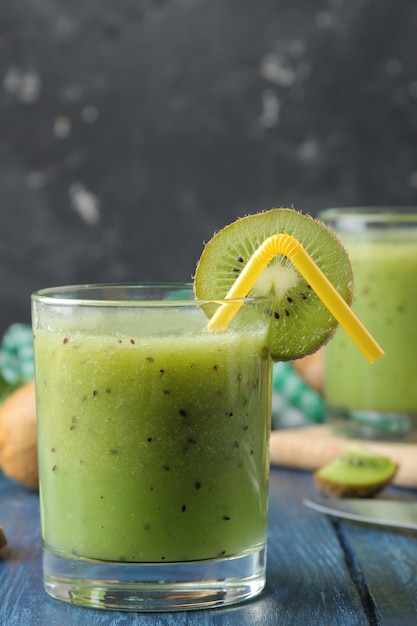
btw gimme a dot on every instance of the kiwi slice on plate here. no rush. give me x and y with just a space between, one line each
300 322
357 473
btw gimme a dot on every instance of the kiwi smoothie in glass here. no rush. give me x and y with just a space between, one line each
381 401
153 437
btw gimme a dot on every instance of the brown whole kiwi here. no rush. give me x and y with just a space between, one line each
18 438
3 539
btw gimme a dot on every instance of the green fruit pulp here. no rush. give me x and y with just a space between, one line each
300 323
152 448
386 284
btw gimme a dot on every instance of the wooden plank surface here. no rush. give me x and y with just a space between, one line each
387 560
319 571
307 563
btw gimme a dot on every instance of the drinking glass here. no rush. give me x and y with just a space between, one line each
377 401
153 447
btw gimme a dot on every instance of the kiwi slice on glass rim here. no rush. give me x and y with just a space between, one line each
300 322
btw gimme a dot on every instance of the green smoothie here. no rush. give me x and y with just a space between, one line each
153 438
385 275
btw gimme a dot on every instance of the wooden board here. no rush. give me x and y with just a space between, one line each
313 446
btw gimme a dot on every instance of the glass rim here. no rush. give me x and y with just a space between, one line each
65 295
377 215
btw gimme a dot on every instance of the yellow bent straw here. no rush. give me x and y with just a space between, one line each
292 248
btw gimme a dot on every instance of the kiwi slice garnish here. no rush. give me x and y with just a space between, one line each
299 321
357 473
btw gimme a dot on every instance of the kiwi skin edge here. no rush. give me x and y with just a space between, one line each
300 323
3 540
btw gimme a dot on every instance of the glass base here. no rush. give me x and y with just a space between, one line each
377 425
154 587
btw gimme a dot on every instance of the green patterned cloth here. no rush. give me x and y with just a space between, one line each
294 403
16 354
16 358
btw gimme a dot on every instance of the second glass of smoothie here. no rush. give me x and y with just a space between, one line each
378 402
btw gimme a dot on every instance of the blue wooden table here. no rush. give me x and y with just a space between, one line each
319 571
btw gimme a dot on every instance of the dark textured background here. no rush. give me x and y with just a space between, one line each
131 130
